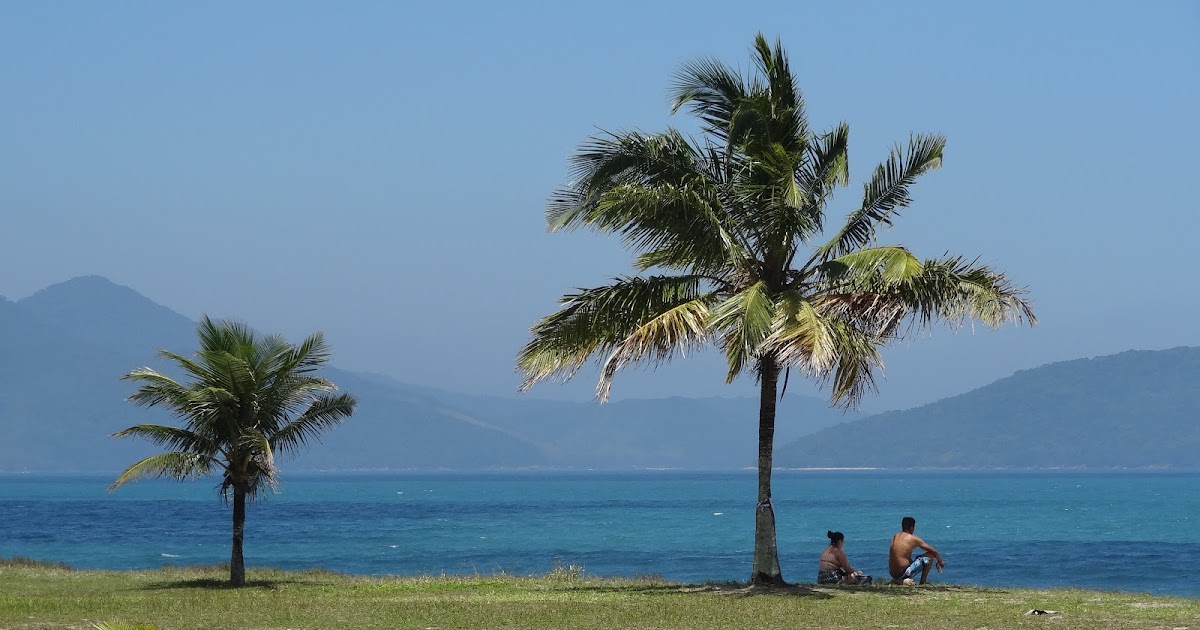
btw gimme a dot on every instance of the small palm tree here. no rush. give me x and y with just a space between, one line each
739 218
247 399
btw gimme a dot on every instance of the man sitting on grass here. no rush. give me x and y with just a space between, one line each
901 564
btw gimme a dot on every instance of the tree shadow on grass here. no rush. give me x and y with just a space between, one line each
896 590
273 578
816 591
651 589
724 589
739 589
220 585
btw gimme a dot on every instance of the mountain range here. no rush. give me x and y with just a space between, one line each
1133 409
63 349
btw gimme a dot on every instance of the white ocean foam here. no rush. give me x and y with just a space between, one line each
168 555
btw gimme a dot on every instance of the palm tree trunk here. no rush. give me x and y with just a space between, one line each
765 570
237 566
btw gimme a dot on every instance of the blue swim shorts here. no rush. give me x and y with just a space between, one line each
917 566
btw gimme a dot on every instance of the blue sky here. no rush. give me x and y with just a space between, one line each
379 170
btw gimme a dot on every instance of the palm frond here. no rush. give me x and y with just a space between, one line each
172 438
681 227
801 336
954 289
781 209
874 313
156 389
680 329
614 159
594 321
858 358
324 413
767 108
830 349
193 368
886 193
176 465
311 354
788 118
657 192
772 182
269 359
289 396
828 163
232 373
225 334
712 92
259 463
744 321
872 269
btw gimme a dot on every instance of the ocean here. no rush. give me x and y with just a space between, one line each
1135 531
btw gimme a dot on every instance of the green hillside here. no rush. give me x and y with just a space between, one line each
1133 409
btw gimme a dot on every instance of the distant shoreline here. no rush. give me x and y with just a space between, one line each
633 471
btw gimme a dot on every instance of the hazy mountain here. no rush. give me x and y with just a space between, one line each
59 396
63 349
1136 409
110 315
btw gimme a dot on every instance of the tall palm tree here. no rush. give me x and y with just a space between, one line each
247 399
734 225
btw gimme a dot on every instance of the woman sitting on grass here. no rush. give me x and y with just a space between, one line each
834 568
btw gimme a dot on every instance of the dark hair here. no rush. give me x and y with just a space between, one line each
834 537
908 523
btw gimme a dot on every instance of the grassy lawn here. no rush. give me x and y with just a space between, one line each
47 596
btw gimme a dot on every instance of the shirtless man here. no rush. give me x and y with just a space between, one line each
901 564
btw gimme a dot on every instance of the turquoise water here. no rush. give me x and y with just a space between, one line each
1131 531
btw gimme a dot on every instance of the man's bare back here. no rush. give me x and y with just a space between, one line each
900 552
